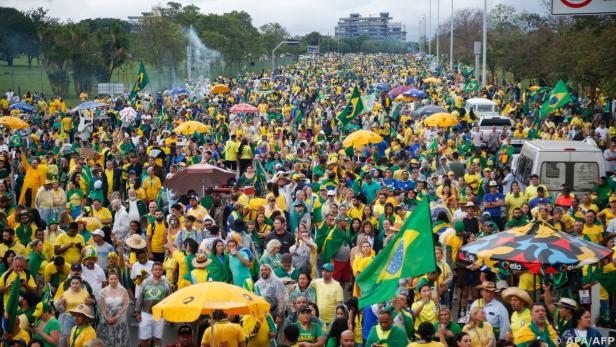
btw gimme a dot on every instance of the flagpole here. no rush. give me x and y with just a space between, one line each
451 39
430 29
485 43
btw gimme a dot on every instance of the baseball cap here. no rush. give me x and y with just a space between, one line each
328 267
98 232
76 267
493 184
331 193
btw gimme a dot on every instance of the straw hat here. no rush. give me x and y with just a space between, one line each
136 242
487 285
201 261
517 292
567 303
84 310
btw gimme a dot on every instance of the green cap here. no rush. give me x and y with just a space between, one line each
459 226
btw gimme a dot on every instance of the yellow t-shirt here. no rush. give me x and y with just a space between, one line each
519 320
51 270
180 259
81 339
18 248
73 254
231 151
511 202
429 344
427 314
480 335
230 334
527 280
8 278
157 237
473 181
102 214
151 185
72 300
329 295
594 232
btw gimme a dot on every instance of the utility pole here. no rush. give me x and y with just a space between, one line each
451 39
485 43
438 19
429 29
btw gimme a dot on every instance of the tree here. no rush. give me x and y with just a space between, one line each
160 43
272 34
17 35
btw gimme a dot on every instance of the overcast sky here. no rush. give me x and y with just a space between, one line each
298 16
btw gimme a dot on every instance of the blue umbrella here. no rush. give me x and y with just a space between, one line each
88 105
428 110
176 91
23 106
415 93
384 87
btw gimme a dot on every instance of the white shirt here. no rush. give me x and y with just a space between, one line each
121 224
136 271
95 277
609 165
603 132
496 314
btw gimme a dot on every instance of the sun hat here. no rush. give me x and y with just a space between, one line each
136 242
201 261
84 310
517 292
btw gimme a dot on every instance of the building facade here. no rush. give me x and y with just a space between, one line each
376 27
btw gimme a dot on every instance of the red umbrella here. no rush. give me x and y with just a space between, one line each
398 90
198 177
244 108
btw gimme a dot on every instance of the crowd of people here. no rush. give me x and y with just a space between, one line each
87 217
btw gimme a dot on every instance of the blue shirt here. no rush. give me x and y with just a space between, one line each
405 185
535 201
494 211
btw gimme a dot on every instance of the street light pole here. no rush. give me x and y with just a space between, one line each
451 39
485 43
438 19
430 29
274 52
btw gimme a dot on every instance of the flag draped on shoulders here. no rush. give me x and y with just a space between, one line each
409 254
329 240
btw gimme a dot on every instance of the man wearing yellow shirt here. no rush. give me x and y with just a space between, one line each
69 244
472 179
4 105
357 208
231 149
514 199
35 177
225 333
17 271
9 243
531 190
156 235
151 185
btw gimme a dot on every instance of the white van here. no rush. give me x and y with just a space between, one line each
576 164
481 107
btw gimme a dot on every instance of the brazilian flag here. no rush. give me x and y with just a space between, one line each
558 98
12 304
353 108
471 86
141 82
409 254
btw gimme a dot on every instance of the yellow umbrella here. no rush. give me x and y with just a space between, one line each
441 119
432 80
190 127
187 304
361 138
13 122
403 98
220 89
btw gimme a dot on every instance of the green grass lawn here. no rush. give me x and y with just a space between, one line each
22 79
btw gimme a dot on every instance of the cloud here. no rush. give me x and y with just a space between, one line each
298 16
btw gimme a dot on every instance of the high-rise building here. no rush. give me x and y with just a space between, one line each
376 27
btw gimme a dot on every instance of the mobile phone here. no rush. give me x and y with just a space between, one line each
434 291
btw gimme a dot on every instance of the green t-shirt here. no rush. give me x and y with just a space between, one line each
52 325
311 335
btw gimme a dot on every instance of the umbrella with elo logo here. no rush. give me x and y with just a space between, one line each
536 248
